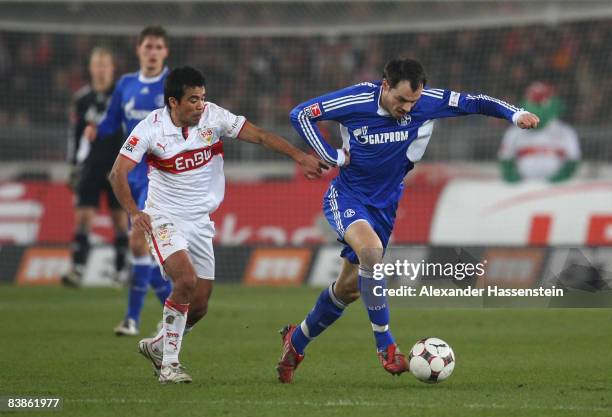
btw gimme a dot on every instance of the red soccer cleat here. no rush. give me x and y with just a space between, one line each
290 359
393 360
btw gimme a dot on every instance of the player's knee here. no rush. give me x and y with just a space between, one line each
369 257
138 248
184 285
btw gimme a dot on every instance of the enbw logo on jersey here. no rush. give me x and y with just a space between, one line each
348 213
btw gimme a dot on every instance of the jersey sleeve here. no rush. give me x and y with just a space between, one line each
231 124
138 142
111 122
440 103
75 130
332 106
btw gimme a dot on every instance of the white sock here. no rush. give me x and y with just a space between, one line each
175 318
158 341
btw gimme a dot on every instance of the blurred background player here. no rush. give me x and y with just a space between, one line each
386 126
551 152
90 164
136 95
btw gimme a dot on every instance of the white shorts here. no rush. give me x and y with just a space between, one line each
171 234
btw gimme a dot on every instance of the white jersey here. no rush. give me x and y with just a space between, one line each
540 153
185 175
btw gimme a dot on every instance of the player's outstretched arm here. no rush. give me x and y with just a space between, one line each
312 167
118 178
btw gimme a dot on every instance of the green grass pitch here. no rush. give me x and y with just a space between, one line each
59 342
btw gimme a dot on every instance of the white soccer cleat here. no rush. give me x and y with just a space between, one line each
127 327
146 349
174 373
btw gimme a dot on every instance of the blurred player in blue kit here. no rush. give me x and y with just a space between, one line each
135 96
385 127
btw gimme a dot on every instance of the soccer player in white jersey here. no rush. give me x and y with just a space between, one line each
184 150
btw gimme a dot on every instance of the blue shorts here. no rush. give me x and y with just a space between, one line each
139 194
342 210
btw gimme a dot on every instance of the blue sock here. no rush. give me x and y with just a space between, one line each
377 306
162 287
326 311
141 273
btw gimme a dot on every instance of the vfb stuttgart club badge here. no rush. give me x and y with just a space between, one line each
207 135
162 232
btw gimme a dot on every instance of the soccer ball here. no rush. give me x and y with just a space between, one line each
431 360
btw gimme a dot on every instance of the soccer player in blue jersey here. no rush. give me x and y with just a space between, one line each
135 96
385 127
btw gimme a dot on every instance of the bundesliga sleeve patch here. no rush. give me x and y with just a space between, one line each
453 101
313 111
131 143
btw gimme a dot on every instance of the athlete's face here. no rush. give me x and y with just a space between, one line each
189 109
152 52
101 69
399 100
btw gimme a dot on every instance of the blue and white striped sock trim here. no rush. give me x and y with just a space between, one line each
380 329
337 302
305 330
365 272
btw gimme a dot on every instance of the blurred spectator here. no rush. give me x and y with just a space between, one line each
550 152
265 76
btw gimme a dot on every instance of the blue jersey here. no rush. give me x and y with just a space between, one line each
135 96
382 148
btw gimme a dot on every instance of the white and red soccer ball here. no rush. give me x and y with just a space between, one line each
431 360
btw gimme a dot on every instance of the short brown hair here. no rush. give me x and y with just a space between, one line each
154 31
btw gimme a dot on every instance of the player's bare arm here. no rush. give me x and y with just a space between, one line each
90 132
528 121
118 178
312 167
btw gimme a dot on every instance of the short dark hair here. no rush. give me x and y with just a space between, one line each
179 80
405 69
154 31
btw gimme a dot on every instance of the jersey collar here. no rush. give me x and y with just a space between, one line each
381 111
150 80
169 128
